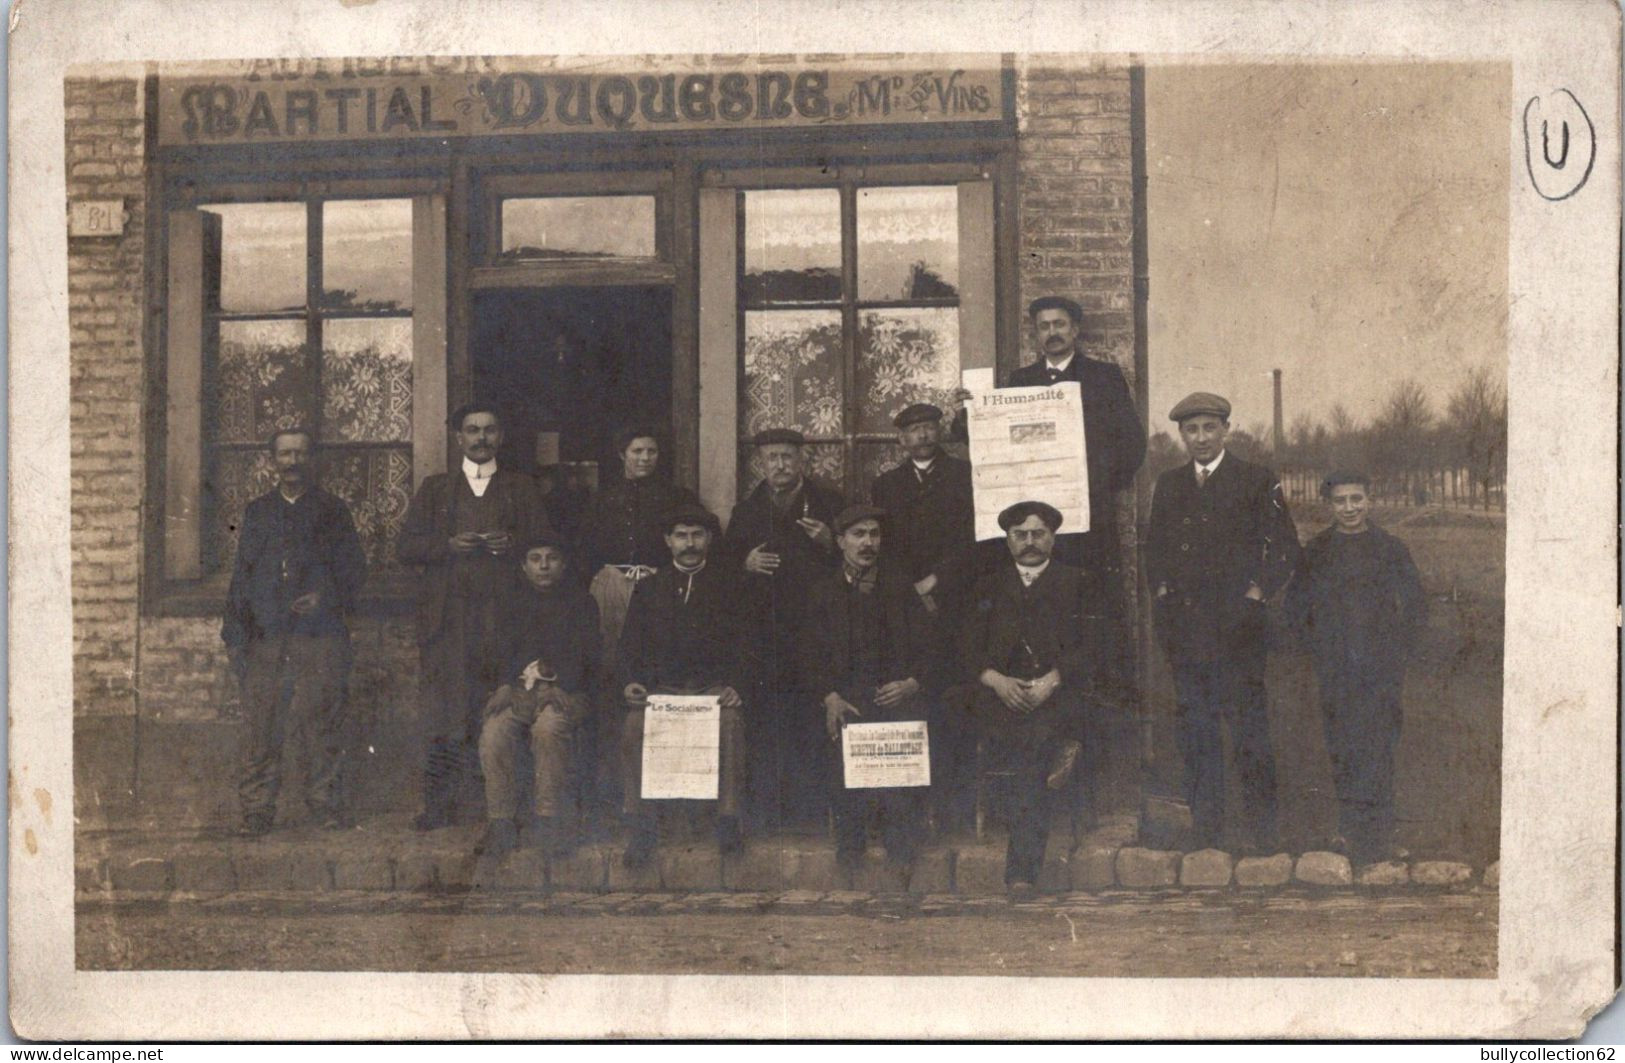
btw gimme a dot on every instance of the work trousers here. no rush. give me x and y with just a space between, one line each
611 588
730 758
293 683
1210 696
544 719
900 809
460 670
1029 743
1362 720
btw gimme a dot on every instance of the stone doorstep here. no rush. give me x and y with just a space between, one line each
788 868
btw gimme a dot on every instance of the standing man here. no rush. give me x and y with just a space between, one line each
1031 658
1114 439
462 528
1358 599
299 567
866 652
931 540
550 643
1220 544
683 636
779 539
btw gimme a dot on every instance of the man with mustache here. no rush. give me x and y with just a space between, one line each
462 529
1220 543
683 635
298 569
779 542
1030 656
866 650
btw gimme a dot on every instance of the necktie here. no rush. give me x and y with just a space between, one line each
1201 477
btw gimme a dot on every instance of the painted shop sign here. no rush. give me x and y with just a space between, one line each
348 104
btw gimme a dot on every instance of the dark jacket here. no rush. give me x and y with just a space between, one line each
621 524
781 597
1207 545
829 638
1358 601
669 642
427 530
288 549
930 523
1114 439
558 627
1023 631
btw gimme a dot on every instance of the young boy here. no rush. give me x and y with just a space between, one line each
550 648
1358 599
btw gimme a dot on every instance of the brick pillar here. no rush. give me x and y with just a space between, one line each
105 160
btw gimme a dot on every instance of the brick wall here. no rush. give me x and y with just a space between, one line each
1075 195
105 161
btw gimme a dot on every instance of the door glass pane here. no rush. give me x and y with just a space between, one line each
579 227
904 357
264 381
908 243
792 247
792 372
367 254
367 379
262 256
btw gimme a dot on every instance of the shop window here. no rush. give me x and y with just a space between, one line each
850 304
297 314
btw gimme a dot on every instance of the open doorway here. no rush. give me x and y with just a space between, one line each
570 367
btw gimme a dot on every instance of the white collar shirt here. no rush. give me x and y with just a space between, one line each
1204 473
479 476
1030 573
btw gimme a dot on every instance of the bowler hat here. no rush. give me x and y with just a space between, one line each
1013 515
1198 403
689 513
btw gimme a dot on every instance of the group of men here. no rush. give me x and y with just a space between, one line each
807 614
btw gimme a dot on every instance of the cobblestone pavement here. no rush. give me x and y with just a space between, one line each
1290 934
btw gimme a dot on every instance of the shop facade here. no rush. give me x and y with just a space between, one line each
710 246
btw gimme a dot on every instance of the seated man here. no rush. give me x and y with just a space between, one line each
1031 658
866 647
682 636
550 647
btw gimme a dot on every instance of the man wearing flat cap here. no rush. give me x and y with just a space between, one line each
779 541
1030 659
931 539
865 654
1220 544
549 637
462 528
683 635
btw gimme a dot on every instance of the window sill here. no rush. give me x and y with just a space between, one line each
381 596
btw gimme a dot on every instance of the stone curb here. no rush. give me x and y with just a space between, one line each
777 867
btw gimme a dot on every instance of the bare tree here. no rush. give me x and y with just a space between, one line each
1477 420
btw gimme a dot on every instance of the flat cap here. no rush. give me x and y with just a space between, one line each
769 436
545 537
853 514
916 414
1198 403
1013 515
689 513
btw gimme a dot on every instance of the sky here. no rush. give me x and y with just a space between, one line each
1345 223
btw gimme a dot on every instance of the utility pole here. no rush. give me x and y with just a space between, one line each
1280 430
